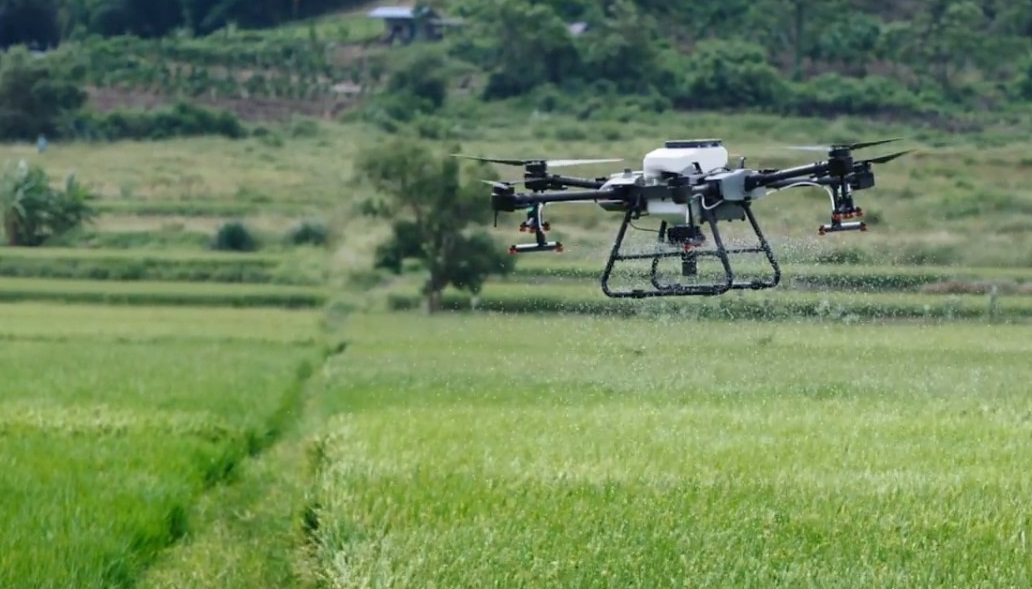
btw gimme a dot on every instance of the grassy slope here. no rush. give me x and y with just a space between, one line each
592 452
948 205
960 199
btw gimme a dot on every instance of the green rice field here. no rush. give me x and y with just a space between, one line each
113 422
594 452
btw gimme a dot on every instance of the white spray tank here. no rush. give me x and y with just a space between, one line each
681 157
677 157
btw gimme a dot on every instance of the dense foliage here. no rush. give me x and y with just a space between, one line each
36 94
932 60
47 22
826 56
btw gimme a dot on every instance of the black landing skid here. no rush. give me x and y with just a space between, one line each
689 239
536 224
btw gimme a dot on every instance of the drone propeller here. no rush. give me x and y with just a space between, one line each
888 158
848 146
568 163
546 163
498 185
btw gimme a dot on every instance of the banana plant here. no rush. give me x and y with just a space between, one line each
32 210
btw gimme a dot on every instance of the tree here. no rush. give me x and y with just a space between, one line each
522 44
33 211
850 42
36 92
433 204
421 76
730 74
622 49
944 40
418 84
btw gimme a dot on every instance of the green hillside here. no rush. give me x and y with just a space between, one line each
207 113
949 63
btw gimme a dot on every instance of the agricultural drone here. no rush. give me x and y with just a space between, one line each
686 185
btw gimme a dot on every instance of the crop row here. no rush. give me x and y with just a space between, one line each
199 81
189 208
226 67
241 51
833 276
239 267
160 293
135 265
781 305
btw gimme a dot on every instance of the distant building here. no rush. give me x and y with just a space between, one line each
407 24
577 29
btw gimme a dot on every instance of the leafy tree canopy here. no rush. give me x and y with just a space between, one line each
434 202
36 93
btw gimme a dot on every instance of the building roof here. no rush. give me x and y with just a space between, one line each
577 28
392 12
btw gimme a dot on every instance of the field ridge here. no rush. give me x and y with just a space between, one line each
269 486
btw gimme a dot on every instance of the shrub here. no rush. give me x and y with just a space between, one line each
309 232
302 127
833 94
180 120
234 236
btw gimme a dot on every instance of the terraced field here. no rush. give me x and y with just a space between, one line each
178 416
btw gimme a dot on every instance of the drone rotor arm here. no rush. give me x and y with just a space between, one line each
522 199
786 176
589 183
544 183
817 171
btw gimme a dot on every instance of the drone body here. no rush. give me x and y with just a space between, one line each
686 185
685 159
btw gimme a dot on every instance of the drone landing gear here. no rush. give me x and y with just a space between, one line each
844 208
690 238
540 246
536 225
836 226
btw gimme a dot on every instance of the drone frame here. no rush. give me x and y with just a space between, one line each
689 257
839 176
